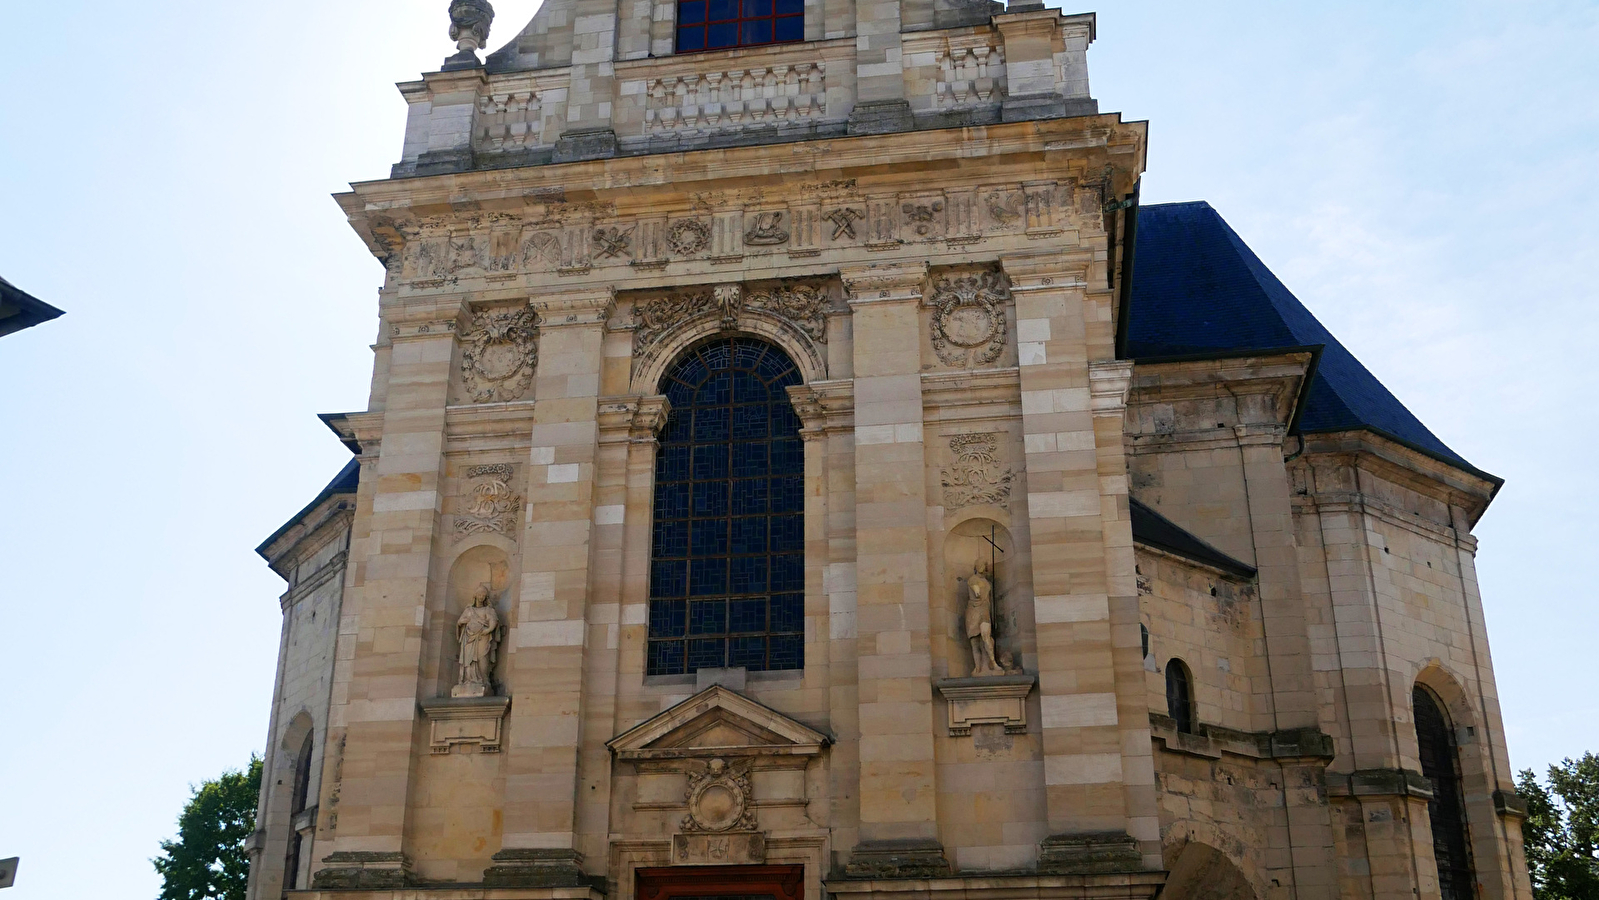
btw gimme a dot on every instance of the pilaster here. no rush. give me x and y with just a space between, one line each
1099 774
546 665
898 792
375 695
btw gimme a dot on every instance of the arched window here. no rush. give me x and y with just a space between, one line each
727 567
302 791
1180 695
1446 811
719 24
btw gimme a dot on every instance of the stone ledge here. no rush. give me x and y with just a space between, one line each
915 859
986 700
540 868
1509 803
986 886
1379 783
1089 853
1214 741
363 869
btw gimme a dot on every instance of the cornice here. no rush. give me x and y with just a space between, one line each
1365 450
884 282
487 427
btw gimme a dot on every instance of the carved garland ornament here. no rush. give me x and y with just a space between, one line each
969 327
803 306
975 476
493 506
499 354
718 795
687 237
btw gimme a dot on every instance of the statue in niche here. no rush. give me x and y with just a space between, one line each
478 631
980 622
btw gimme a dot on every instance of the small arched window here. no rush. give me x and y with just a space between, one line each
720 24
1436 746
727 567
1180 695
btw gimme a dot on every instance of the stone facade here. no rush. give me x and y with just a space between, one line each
922 209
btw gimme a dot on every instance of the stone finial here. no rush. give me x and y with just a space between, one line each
469 28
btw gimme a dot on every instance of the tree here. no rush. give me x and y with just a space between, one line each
207 861
1561 832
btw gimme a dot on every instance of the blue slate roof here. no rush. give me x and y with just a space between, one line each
1199 290
345 482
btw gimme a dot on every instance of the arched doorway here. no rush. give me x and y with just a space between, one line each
1201 872
1435 744
727 560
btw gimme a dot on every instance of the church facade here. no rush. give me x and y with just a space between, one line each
797 465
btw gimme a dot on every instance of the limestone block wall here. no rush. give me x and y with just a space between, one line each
312 557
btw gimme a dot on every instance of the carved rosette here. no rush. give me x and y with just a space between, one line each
975 476
687 237
493 504
969 327
499 354
718 795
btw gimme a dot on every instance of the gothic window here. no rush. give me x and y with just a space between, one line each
719 24
1446 811
1180 695
727 567
302 790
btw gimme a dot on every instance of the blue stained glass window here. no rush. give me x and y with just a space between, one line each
713 24
727 574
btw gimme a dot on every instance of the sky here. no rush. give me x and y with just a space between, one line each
1423 175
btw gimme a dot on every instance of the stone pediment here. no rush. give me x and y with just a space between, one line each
717 722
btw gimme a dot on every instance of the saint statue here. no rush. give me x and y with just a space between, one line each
980 622
478 630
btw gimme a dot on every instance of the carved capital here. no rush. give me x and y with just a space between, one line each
634 419
1032 272
887 283
588 308
424 319
1108 383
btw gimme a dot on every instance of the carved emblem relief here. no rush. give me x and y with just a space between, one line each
719 795
922 216
975 475
493 505
613 242
767 230
1004 208
464 253
687 237
499 353
843 220
969 327
541 250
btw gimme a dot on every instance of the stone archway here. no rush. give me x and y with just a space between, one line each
1201 872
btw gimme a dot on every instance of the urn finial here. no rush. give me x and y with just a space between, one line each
469 28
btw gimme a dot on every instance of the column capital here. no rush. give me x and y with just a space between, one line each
1046 271
424 318
885 283
634 419
1108 383
591 307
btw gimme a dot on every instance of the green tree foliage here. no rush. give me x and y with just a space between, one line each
1562 830
207 861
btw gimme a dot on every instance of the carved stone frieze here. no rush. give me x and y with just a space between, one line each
968 328
493 504
922 217
687 237
800 304
665 312
499 353
718 795
540 251
843 220
975 475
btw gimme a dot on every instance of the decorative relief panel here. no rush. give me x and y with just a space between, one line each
688 237
499 353
975 475
968 326
493 505
718 795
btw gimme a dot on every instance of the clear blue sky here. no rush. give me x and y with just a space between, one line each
1424 176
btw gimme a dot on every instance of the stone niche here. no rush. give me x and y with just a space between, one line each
727 780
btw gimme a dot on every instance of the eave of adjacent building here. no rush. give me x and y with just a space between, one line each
19 309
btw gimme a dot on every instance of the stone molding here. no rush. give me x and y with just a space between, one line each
356 869
538 868
796 738
634 419
1093 852
987 700
878 860
465 721
884 283
825 408
1379 783
1214 741
1109 382
581 308
1131 885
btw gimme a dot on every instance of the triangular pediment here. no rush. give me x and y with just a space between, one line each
717 722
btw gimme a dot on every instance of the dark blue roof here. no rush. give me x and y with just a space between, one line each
348 479
1198 289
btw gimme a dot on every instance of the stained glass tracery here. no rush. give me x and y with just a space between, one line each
727 570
